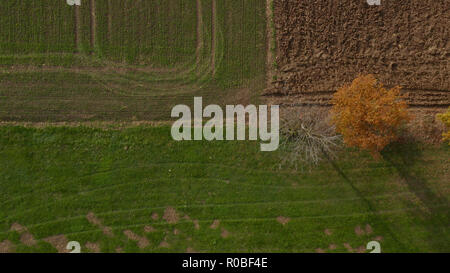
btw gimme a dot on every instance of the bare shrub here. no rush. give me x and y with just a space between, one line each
307 136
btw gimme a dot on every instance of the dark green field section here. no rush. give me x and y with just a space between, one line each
160 32
134 61
214 196
157 32
30 26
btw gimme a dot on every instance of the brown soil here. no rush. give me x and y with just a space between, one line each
142 242
97 222
378 238
359 231
27 239
225 233
319 250
215 224
361 249
93 219
283 220
171 215
164 244
155 216
196 224
108 231
6 246
190 250
323 44
149 229
348 247
93 247
241 96
59 242
18 227
332 247
328 232
369 229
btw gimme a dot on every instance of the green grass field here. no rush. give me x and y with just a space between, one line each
133 189
52 178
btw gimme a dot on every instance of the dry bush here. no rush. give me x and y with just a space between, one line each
424 127
306 136
367 115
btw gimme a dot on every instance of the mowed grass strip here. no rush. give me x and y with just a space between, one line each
72 95
213 196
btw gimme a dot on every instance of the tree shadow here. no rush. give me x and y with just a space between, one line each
373 215
435 214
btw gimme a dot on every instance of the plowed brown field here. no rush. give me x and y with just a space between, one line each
323 44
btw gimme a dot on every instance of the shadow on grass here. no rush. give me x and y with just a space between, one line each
407 160
373 216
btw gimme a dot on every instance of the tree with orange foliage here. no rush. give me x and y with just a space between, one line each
367 115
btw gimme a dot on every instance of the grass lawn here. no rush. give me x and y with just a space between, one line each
137 190
134 189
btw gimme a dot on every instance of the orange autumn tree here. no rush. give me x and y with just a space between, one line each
367 115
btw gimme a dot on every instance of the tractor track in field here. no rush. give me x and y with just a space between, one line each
416 98
181 72
77 25
213 36
194 66
242 219
93 27
106 188
200 39
270 41
110 21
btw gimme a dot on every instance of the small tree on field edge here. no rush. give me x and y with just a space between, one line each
367 115
445 118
